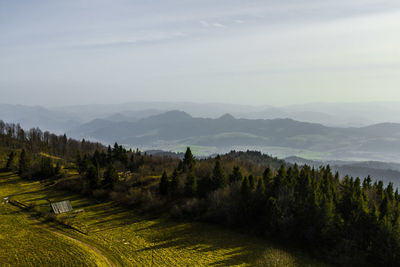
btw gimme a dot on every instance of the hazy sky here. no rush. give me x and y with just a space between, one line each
258 52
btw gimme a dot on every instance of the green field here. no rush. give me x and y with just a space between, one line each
120 237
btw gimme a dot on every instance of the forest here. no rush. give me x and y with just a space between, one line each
343 220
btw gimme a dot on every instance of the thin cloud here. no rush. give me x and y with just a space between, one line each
218 25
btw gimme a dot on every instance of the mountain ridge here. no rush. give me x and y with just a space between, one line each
226 132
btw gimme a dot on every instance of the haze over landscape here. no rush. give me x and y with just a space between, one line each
163 122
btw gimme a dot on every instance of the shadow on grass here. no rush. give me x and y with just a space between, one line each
231 248
188 238
8 178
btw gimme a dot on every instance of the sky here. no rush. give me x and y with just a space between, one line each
57 52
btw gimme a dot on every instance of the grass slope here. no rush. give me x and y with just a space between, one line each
24 242
123 237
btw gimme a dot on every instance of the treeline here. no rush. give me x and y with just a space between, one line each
33 153
100 169
13 136
40 168
348 220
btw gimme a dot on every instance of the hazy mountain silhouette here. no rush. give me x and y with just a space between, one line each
225 132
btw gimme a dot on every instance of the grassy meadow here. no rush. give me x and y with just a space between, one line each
120 237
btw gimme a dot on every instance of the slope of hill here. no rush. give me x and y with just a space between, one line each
377 142
255 193
120 237
60 119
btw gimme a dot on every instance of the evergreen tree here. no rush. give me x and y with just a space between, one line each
367 183
282 174
260 187
163 187
385 209
245 189
191 184
218 178
92 176
236 175
188 160
10 160
110 176
174 182
252 181
280 181
81 163
267 176
23 164
47 169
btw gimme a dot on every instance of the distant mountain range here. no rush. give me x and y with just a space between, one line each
387 172
36 116
274 130
357 150
62 119
376 142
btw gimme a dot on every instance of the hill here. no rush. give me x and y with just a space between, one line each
249 192
166 131
121 237
36 116
60 119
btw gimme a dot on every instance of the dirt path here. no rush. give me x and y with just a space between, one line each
101 259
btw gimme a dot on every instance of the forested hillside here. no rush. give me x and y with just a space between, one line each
343 220
387 172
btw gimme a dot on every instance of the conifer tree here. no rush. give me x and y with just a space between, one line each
174 182
267 173
245 189
236 175
218 178
46 169
110 176
252 181
260 187
191 184
92 176
163 187
81 163
282 174
384 209
188 160
10 160
23 164
267 176
280 179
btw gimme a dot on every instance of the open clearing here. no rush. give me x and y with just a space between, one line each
117 236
